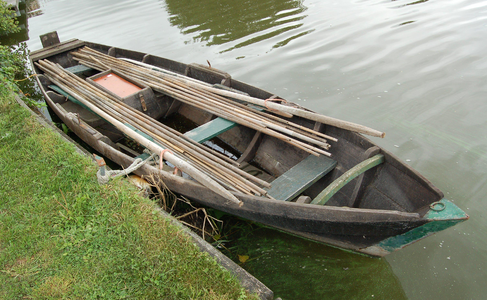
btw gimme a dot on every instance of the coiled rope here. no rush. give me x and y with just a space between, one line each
111 174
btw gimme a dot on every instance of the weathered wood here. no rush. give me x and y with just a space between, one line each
297 179
336 185
359 185
304 199
56 49
49 39
365 229
68 96
278 107
249 153
190 92
176 161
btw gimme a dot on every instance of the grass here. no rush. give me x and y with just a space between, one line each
64 236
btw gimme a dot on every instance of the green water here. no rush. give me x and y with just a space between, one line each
298 269
414 69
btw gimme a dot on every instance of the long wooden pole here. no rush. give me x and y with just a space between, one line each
288 109
168 141
177 162
152 78
165 137
225 113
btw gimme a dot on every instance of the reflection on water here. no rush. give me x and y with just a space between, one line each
243 22
298 269
22 35
33 8
415 69
412 3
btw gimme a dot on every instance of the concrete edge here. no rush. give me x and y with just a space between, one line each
249 282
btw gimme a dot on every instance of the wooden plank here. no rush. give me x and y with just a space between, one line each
348 176
209 130
49 39
249 153
297 179
55 49
360 182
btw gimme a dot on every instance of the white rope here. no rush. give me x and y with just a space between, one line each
111 174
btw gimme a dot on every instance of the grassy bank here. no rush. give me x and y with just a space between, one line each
64 236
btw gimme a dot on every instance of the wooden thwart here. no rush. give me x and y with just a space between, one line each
210 129
297 179
348 176
78 69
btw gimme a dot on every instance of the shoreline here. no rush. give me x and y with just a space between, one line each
246 280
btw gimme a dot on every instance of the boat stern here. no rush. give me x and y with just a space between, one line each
441 215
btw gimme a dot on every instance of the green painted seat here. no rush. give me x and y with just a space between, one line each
297 179
210 129
78 69
216 126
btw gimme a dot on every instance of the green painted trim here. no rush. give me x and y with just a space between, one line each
65 94
348 176
450 211
438 221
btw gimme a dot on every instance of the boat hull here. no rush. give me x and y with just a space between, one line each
371 231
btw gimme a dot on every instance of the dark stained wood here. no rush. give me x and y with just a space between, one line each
341 181
207 74
56 49
164 63
387 202
254 144
277 157
354 198
49 39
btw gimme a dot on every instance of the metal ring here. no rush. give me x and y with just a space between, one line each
437 206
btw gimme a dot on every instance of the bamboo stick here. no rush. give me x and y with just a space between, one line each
244 186
202 178
288 109
130 68
225 113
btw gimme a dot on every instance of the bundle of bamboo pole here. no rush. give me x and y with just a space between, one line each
194 159
193 93
213 170
99 60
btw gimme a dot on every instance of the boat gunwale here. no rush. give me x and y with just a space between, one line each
391 159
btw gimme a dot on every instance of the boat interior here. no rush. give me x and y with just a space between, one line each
380 181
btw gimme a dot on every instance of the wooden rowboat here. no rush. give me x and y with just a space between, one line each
363 198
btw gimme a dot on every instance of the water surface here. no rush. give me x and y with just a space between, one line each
414 69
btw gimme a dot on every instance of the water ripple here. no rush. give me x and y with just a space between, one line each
236 23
